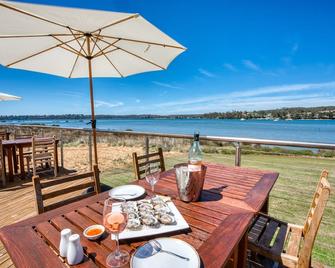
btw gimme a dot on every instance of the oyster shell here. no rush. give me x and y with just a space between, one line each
166 219
133 215
150 220
145 206
144 213
144 201
134 224
157 200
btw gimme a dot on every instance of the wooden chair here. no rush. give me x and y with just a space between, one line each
2 166
43 192
4 135
289 244
43 155
140 162
27 152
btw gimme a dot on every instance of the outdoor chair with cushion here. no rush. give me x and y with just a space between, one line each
288 244
140 162
64 190
43 156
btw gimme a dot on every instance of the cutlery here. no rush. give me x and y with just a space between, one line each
133 194
158 248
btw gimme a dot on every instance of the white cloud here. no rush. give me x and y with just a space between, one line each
308 94
295 48
100 103
230 67
285 89
166 85
251 65
206 73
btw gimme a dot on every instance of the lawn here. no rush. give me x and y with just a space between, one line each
289 199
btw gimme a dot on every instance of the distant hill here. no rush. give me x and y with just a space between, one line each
324 112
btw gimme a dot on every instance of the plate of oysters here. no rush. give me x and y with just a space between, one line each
146 217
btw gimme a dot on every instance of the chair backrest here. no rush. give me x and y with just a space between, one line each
55 188
313 220
23 136
44 151
2 165
4 135
140 162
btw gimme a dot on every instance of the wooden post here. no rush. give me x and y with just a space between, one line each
93 122
61 149
90 150
146 146
237 154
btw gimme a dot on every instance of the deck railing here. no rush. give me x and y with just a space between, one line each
235 140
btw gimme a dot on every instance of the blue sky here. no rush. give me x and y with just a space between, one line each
242 55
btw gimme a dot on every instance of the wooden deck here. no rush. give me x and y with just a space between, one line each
17 202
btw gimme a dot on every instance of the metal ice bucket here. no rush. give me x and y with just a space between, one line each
189 183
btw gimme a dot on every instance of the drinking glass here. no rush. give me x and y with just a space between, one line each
152 175
115 221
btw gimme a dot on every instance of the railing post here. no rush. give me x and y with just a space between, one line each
146 146
237 154
90 150
61 149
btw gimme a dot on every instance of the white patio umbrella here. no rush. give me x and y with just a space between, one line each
7 97
77 43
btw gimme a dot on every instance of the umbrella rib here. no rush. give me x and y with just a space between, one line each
35 35
101 50
95 42
69 48
77 40
143 42
137 56
75 62
99 54
117 22
36 54
33 15
110 61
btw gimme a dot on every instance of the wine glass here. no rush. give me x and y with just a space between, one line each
152 175
115 221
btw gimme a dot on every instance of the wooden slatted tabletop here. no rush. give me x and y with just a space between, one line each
218 222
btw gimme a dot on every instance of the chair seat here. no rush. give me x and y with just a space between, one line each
274 239
103 187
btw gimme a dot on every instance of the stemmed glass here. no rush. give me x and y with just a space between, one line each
152 175
115 221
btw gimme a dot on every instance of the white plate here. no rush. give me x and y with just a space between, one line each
127 192
164 260
180 224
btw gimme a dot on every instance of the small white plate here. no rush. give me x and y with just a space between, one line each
164 260
127 192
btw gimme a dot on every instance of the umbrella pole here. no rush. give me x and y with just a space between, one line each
93 121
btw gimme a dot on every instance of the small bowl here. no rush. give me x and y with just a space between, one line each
94 236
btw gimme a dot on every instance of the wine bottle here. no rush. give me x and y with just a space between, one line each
195 154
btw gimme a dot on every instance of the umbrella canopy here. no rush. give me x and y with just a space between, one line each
7 97
78 43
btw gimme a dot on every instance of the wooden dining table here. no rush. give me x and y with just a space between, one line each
218 222
10 148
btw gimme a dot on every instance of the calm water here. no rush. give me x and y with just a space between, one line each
297 130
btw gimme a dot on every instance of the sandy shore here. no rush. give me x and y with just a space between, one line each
77 157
